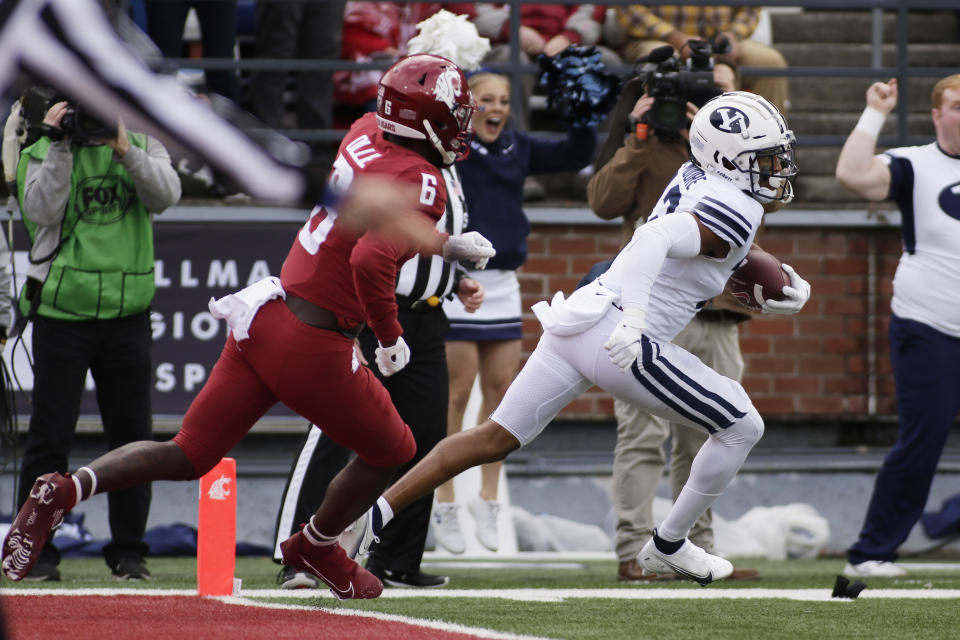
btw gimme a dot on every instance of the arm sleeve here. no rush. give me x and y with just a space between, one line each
46 188
154 178
6 307
611 192
571 154
676 235
641 23
374 261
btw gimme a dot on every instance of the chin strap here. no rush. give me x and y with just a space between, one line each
449 157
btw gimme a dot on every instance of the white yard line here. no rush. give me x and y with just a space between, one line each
389 617
530 595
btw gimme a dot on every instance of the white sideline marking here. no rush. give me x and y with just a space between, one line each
530 595
388 617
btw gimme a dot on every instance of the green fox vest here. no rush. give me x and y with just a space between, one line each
104 267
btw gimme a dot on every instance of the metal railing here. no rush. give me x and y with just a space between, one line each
902 70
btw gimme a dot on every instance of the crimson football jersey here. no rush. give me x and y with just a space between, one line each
352 276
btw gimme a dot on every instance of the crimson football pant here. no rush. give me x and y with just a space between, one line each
926 368
419 391
313 371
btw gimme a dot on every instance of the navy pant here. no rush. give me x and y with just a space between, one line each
926 368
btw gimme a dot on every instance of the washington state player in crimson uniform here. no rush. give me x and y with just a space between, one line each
291 340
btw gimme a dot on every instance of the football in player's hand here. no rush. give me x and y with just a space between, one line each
760 278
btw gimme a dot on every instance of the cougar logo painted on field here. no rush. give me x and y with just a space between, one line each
447 87
219 489
729 120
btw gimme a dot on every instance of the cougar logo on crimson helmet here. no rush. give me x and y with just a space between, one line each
447 88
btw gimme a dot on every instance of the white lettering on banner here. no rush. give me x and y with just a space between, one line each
223 274
219 489
186 277
158 278
362 152
204 326
177 331
166 380
216 274
193 376
258 271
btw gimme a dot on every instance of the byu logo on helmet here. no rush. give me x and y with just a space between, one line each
730 120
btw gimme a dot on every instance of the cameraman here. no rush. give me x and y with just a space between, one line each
628 187
646 27
87 205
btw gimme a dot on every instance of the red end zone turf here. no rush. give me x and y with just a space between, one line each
180 617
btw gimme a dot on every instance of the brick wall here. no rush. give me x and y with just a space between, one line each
816 364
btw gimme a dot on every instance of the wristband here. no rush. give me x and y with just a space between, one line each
871 121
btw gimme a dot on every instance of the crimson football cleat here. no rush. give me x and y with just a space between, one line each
52 496
347 580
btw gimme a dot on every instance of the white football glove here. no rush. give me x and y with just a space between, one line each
797 295
392 359
624 342
468 247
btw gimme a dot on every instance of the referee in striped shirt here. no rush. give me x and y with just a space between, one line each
420 393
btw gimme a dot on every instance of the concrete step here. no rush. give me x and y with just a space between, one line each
848 94
802 54
812 123
819 27
821 189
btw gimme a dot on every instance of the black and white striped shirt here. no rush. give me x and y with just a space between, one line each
73 46
424 277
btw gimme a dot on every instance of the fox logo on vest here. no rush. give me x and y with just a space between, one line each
103 199
219 489
730 120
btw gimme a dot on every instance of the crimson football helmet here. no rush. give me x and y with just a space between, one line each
426 97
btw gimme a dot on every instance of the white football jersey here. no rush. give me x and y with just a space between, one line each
925 183
684 285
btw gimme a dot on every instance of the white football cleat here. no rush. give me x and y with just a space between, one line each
689 561
874 569
358 537
484 514
446 527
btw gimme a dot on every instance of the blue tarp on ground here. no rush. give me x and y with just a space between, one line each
178 539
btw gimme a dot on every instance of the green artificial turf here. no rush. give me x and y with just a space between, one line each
607 618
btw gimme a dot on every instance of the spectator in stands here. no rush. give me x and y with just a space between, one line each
218 33
629 187
925 320
296 30
488 341
375 31
544 29
647 27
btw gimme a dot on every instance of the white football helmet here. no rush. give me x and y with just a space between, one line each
741 137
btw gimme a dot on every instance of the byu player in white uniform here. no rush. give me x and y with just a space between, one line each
615 333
